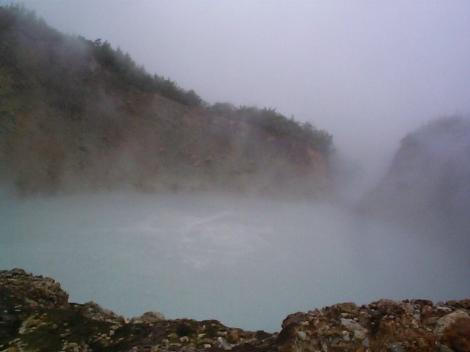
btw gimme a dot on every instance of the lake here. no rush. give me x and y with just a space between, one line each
245 261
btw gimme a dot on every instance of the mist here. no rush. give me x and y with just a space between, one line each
245 261
369 74
366 72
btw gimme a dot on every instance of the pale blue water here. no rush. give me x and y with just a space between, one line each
246 262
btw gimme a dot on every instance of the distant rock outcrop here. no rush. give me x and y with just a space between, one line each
428 181
35 315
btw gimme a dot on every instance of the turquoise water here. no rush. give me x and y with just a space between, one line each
245 261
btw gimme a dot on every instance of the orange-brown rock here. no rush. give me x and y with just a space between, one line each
35 315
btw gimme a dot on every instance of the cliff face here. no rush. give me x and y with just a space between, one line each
428 180
35 315
78 114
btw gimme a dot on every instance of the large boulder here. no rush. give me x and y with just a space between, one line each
385 325
29 291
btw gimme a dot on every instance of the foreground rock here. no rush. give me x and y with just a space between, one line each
410 325
35 315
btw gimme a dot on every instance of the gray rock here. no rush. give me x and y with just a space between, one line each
302 335
357 329
447 320
148 318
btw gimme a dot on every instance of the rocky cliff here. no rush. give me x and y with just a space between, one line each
35 315
427 183
77 114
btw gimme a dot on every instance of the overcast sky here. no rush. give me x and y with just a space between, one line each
367 71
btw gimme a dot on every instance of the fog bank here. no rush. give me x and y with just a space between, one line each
366 72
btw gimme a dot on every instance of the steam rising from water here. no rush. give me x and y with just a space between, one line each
247 262
348 68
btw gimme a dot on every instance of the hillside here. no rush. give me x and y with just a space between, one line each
428 180
76 114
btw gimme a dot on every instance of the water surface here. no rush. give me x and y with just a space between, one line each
247 262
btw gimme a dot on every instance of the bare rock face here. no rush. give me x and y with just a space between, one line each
148 317
454 330
449 320
32 291
427 182
35 315
385 325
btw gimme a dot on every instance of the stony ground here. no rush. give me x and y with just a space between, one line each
35 315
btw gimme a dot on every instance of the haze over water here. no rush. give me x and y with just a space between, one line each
247 262
366 72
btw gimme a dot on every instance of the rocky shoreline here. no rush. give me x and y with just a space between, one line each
35 315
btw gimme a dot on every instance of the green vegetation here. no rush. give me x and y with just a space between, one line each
127 74
76 113
278 125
